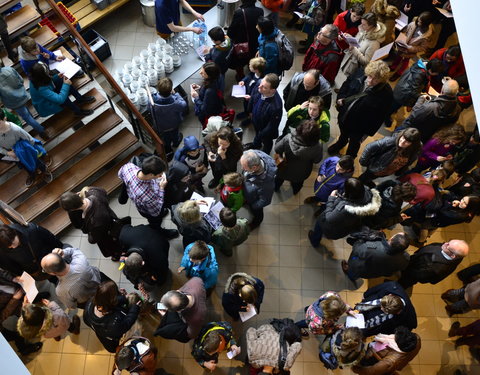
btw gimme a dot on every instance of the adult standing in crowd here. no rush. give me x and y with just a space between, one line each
303 86
452 64
167 17
242 290
259 171
206 98
267 46
11 52
386 13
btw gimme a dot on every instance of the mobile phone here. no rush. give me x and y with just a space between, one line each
161 306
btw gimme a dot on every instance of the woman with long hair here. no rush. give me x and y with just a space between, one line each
208 98
242 290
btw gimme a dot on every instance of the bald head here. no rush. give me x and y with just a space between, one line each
311 79
53 264
459 247
450 88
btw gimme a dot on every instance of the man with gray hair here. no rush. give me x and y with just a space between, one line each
431 113
183 311
324 54
259 172
305 85
77 279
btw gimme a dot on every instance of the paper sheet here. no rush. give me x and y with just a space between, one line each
245 315
201 52
67 67
301 15
383 52
239 91
204 208
213 216
9 158
402 21
28 285
352 41
355 321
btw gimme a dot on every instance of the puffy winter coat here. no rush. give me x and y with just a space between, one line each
268 49
389 213
231 301
55 323
386 14
333 180
207 270
168 112
259 188
209 103
411 84
327 59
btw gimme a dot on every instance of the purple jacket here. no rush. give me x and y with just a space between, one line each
430 151
333 180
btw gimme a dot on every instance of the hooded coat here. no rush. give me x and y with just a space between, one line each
386 14
300 157
389 212
268 49
327 59
342 216
232 303
55 323
259 188
411 84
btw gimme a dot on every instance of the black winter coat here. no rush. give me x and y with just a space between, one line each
232 303
411 84
365 114
389 212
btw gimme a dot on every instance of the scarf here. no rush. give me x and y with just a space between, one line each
378 319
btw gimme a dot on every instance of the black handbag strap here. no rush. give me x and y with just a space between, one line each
246 24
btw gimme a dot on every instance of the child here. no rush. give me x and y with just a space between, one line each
232 232
332 175
220 50
31 52
199 261
195 157
251 81
231 191
190 222
168 113
313 109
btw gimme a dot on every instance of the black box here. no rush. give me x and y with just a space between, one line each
98 44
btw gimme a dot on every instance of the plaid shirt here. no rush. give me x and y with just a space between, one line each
147 195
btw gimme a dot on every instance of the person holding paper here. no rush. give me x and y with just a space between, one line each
31 52
348 22
190 222
242 292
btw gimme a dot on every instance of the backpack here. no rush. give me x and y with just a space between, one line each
279 325
285 51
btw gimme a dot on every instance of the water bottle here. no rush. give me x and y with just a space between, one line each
200 39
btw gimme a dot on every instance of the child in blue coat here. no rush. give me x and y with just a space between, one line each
199 260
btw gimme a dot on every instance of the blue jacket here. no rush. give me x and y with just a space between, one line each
27 60
334 181
12 92
46 101
266 114
268 49
28 154
258 188
207 270
168 112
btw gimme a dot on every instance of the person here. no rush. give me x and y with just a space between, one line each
452 64
231 191
231 233
389 354
111 314
321 317
145 186
467 184
324 54
77 279
199 261
433 263
332 174
349 20
11 52
220 51
412 83
89 210
50 95
373 256
214 338
265 105
390 155
345 213
470 334
385 307
251 81
224 150
189 303
137 355
195 157
313 109
346 345
274 7
264 346
456 211
469 154
167 17
145 256
267 46
418 36
31 52
46 320
425 186
14 96
313 20
242 292
168 109
300 149
462 300
362 102
208 98
386 13
190 222
259 172
243 29
23 247
303 86
27 151
432 113
370 36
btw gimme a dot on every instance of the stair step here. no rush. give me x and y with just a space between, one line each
48 195
58 220
21 20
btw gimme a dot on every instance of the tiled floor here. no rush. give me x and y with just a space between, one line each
278 252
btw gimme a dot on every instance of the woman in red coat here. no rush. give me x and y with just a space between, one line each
453 66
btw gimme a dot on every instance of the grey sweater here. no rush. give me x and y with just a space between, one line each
12 136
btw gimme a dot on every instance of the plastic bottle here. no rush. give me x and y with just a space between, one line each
200 39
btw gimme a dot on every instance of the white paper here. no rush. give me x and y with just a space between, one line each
204 208
213 216
445 12
352 41
10 158
67 67
301 15
239 91
355 321
28 285
402 21
230 354
383 52
245 315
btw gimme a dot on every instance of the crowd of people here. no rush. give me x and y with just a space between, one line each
422 176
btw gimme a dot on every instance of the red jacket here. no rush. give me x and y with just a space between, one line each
273 5
327 59
452 70
342 27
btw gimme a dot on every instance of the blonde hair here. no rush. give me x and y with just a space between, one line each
258 63
378 70
333 307
233 179
392 304
189 212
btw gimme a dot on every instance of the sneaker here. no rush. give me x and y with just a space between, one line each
86 99
47 176
84 112
242 115
453 329
310 235
305 333
30 181
310 200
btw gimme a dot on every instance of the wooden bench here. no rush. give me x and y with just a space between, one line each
58 220
65 151
22 20
87 14
43 199
7 4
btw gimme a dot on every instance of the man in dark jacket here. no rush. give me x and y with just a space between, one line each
265 105
11 52
23 247
433 263
430 114
385 307
146 259
362 102
305 85
373 256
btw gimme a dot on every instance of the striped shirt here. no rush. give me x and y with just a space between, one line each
146 194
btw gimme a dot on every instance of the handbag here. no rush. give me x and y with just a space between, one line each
242 50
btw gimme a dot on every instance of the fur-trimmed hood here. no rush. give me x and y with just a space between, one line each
228 284
31 332
382 9
377 33
368 206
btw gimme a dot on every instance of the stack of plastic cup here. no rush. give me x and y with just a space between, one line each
152 77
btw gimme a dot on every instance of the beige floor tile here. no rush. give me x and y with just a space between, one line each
77 344
268 255
72 364
97 364
48 364
52 346
429 353
290 256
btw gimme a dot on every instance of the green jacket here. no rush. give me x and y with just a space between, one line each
297 114
226 238
9 116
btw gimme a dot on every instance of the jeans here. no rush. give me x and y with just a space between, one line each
58 83
24 113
